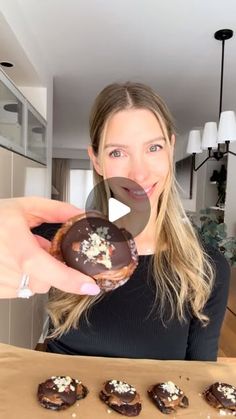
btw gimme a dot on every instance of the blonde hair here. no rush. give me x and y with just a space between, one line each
181 269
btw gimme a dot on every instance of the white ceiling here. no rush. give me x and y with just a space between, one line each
168 44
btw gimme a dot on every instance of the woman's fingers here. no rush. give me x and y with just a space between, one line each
23 253
43 243
38 210
42 267
7 292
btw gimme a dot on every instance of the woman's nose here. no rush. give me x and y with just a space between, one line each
138 170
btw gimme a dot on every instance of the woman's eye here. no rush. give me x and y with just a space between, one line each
155 147
115 153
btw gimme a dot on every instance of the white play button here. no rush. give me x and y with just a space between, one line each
116 209
122 204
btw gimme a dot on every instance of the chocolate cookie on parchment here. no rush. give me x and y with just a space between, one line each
167 397
222 396
121 397
60 392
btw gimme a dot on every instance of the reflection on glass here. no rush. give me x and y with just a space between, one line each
10 118
36 136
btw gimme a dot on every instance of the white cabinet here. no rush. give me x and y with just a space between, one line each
26 321
28 177
21 321
5 321
5 173
22 128
11 117
36 136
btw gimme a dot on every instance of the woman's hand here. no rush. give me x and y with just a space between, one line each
21 252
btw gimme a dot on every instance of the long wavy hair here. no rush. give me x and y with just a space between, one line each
182 271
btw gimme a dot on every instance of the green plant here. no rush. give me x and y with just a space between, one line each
213 231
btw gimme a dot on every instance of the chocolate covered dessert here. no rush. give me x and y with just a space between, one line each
167 397
221 396
98 248
60 392
121 397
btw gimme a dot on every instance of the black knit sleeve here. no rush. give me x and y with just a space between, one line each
203 341
46 230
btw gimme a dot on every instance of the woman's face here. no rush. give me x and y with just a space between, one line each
135 157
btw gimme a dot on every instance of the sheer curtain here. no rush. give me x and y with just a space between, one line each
61 178
81 184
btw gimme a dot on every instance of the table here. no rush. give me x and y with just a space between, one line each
21 370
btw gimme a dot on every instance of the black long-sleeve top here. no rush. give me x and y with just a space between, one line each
123 324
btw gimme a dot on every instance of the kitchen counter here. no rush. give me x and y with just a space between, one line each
23 369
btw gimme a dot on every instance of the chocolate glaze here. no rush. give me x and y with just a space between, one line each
50 397
125 396
127 409
73 242
121 397
167 400
104 252
221 395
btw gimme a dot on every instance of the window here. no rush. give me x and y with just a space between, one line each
81 184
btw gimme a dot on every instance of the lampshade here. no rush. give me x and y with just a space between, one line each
227 127
194 142
209 136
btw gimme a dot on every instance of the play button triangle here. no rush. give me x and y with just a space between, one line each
116 209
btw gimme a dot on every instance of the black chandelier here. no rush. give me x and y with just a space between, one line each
216 141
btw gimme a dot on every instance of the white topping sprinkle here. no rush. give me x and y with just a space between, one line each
98 245
62 383
122 387
73 415
170 387
229 392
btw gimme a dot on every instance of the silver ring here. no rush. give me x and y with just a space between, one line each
24 291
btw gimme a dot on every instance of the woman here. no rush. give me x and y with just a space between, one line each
170 309
174 306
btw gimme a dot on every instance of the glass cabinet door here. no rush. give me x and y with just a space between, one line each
11 120
36 137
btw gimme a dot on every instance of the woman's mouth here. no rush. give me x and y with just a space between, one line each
141 193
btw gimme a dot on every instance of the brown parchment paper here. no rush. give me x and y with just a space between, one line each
21 370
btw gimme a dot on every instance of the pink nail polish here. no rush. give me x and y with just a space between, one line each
90 289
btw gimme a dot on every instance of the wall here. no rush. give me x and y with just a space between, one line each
230 204
37 96
33 77
80 164
70 153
